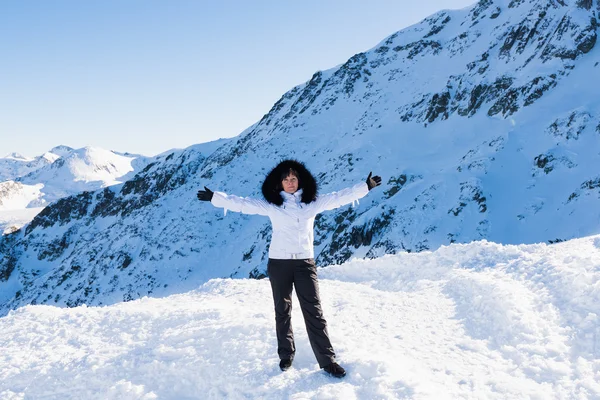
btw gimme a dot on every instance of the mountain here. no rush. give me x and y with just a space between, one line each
483 122
15 165
88 168
62 150
59 173
467 321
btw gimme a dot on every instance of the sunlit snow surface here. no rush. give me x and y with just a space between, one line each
479 320
11 220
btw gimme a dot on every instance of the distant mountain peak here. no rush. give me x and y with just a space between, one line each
17 156
61 150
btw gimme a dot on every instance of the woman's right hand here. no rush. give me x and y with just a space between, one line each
205 195
374 181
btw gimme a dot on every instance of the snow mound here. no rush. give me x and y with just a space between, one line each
478 320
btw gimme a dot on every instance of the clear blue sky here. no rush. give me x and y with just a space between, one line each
145 76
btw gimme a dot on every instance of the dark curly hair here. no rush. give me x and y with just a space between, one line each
271 187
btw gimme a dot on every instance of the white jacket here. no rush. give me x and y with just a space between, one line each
292 221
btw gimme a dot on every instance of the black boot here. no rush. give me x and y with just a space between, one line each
285 364
335 370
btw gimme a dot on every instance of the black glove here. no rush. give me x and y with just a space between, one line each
374 181
205 195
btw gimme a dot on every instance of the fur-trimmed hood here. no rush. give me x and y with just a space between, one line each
272 188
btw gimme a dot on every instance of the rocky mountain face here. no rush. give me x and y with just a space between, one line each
484 124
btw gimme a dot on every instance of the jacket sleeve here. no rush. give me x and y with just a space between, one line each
345 196
244 205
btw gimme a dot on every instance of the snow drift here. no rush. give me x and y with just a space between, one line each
478 320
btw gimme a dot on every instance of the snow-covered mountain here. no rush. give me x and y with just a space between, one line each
36 183
15 165
89 168
484 123
474 321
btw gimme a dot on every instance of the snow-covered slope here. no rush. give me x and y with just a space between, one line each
15 165
475 321
67 172
17 196
89 168
483 122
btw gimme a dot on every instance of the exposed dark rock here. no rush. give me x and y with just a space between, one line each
397 183
418 47
506 105
386 246
570 127
278 106
438 28
63 211
544 162
457 210
586 40
469 192
482 63
67 274
9 254
145 188
591 184
585 4
308 95
338 250
515 3
571 39
351 72
248 255
587 185
482 6
537 87
572 196
106 201
482 93
121 259
257 274
55 248
391 39
438 106
520 34
382 50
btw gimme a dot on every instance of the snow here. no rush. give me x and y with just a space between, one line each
88 168
11 220
34 183
18 157
17 196
477 320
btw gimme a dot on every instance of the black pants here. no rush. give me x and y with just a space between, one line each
302 274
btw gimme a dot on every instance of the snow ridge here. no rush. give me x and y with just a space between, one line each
59 173
477 320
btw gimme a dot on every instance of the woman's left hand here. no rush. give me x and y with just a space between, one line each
374 181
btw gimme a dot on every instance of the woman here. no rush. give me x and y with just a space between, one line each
292 203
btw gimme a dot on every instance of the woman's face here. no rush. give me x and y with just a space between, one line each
290 184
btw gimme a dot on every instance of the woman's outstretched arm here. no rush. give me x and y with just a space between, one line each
346 196
243 205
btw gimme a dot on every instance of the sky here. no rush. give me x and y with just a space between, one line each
146 76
